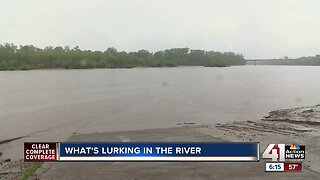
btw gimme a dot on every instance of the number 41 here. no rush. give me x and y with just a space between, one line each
274 152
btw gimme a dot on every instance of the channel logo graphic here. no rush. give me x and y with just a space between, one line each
281 152
275 152
295 151
294 147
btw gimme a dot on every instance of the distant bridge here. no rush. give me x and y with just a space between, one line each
264 61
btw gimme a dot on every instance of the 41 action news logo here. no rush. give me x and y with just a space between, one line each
281 152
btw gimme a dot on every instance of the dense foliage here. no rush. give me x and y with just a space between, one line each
30 57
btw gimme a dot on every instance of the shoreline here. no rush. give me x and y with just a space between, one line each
296 125
147 67
136 67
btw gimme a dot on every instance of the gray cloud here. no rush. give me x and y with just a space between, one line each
258 29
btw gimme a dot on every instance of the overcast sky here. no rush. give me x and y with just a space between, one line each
256 28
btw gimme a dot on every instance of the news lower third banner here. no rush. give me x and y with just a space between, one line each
70 151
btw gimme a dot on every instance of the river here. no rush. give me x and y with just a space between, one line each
50 105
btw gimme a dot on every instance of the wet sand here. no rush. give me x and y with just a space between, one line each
298 125
163 170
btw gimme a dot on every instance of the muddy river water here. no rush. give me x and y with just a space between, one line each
50 105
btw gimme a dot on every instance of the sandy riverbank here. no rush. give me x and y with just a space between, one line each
298 125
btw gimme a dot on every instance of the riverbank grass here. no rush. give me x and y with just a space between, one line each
30 170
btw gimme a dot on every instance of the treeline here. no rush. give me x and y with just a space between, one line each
302 61
29 57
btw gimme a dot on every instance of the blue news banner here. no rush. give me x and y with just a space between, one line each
158 151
